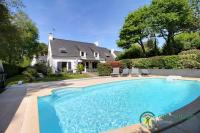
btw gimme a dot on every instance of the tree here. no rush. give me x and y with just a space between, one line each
9 38
135 51
28 33
18 36
188 41
42 49
169 18
135 29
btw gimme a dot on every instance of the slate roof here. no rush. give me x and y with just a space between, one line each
117 53
73 49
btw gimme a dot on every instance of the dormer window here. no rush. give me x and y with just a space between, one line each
83 54
63 50
96 54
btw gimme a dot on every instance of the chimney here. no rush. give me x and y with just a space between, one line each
50 36
96 43
113 53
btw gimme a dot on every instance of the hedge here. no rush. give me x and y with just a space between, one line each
12 70
104 69
180 61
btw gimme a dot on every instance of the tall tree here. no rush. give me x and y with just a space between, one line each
135 29
28 33
18 35
171 17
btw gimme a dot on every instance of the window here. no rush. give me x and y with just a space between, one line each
63 50
82 54
69 66
95 54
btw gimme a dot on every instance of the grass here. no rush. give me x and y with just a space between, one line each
15 79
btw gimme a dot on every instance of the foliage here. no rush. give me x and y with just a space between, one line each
188 41
14 79
170 17
51 77
152 48
115 64
12 70
177 21
41 68
134 52
42 49
169 62
104 69
134 29
127 63
30 74
28 33
191 51
80 68
18 35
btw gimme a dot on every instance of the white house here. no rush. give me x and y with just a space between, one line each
68 54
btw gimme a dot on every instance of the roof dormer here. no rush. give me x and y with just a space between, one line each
83 54
62 50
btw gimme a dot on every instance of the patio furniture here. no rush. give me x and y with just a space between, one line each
115 72
135 72
125 72
145 72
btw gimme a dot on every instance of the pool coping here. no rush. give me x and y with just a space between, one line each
31 117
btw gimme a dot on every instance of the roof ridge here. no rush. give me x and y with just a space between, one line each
74 41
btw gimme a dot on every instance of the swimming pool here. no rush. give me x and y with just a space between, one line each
108 106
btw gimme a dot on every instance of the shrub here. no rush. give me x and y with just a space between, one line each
172 62
104 69
168 62
41 68
192 64
115 64
80 68
142 63
30 74
12 70
134 51
192 51
126 63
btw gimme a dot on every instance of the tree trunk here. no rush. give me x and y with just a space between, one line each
170 43
142 46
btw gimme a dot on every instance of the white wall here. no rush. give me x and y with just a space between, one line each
74 63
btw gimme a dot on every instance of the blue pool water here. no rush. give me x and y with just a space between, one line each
108 106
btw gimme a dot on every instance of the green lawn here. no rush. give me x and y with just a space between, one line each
15 79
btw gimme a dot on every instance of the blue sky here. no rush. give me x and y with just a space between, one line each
81 20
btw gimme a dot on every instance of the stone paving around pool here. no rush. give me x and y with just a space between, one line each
19 109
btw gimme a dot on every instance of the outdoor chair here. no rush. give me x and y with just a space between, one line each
135 72
125 72
145 72
115 72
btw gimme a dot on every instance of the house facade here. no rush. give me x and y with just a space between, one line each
67 54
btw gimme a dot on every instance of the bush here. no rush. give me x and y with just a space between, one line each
171 62
192 51
12 70
41 68
168 62
192 64
80 68
142 63
126 63
30 74
115 64
104 69
134 52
